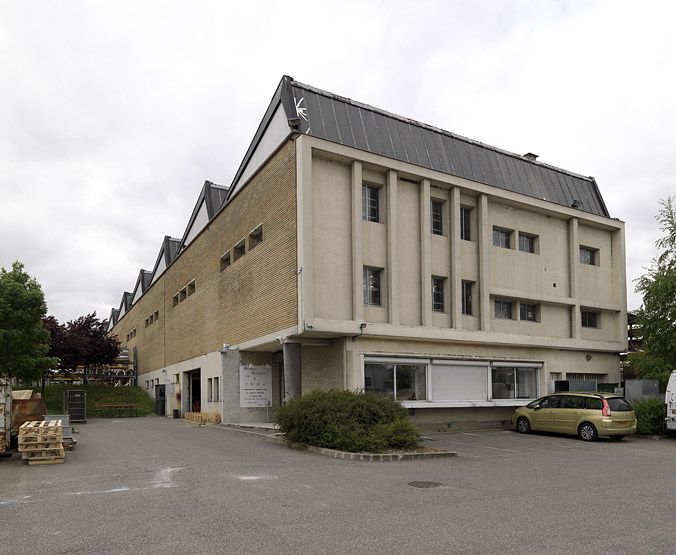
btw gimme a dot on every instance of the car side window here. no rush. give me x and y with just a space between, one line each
572 402
550 403
592 403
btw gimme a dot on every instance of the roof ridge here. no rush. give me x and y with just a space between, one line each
404 119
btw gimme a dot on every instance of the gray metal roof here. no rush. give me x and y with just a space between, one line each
340 120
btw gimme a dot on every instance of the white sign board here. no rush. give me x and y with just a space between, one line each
255 386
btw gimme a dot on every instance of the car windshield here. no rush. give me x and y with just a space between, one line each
618 404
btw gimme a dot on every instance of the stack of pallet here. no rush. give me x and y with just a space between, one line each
41 442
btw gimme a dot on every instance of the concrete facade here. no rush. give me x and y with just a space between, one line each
294 306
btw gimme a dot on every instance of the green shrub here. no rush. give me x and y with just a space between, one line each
347 421
649 416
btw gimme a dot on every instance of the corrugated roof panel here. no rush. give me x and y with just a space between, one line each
534 181
314 115
329 118
432 150
406 141
371 132
420 147
491 167
441 152
357 126
447 148
461 163
397 142
411 150
344 127
384 135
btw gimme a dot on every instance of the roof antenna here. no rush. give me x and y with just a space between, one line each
576 204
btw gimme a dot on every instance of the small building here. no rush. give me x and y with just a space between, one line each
357 249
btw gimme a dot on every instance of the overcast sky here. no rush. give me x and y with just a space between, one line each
112 114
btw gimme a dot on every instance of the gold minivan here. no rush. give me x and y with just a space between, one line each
587 415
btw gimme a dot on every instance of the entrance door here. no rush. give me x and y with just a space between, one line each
195 391
160 400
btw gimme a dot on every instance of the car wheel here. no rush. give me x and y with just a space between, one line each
523 425
616 438
587 432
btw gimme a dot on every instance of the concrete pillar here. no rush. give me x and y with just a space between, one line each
573 260
357 264
485 232
425 253
392 247
456 259
292 371
618 261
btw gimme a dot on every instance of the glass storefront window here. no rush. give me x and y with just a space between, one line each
404 382
514 383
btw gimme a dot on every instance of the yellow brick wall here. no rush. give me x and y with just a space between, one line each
255 296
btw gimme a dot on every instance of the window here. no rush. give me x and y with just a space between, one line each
256 236
527 242
157 381
146 322
528 312
404 382
465 223
371 286
157 315
217 390
503 310
370 203
502 238
590 319
176 379
225 260
175 299
182 294
437 217
209 390
467 297
239 250
514 383
438 294
589 256
191 287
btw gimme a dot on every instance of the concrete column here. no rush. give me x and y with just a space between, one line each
292 371
393 247
573 260
456 259
484 242
304 209
618 261
425 253
357 264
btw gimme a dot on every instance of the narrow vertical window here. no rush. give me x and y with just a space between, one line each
370 203
467 297
217 389
465 220
209 391
438 294
437 217
371 286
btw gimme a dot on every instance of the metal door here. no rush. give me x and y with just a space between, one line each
160 400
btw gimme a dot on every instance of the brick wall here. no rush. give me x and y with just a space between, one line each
255 296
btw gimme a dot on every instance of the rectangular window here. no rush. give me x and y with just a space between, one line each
438 294
239 250
191 287
503 310
404 382
371 286
209 390
590 319
467 297
256 237
157 315
146 322
465 223
217 390
225 260
514 383
589 256
151 319
370 203
502 238
437 217
175 299
528 312
182 294
527 242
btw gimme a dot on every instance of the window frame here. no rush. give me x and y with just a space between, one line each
535 312
467 297
424 364
584 318
191 288
225 260
503 302
466 223
370 202
499 232
589 256
438 297
256 236
437 217
533 241
239 250
367 289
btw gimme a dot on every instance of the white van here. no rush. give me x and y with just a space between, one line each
670 400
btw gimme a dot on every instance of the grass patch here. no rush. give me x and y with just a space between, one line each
98 394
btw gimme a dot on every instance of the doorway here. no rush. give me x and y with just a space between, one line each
193 399
160 400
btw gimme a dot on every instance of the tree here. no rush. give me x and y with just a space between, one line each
82 342
657 315
24 341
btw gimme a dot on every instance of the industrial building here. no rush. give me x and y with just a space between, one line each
357 249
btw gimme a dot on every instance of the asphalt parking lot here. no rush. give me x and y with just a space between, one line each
153 485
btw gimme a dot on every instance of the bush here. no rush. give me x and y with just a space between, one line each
347 421
649 416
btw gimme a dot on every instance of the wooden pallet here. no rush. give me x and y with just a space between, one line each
32 462
41 442
41 429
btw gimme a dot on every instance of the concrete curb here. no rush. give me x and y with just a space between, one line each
342 455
